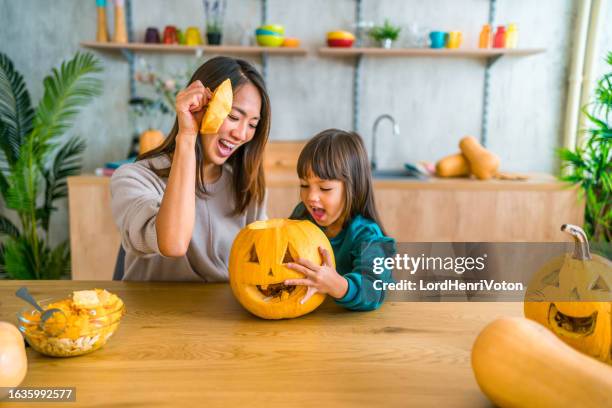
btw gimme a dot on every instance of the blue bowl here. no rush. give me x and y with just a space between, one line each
261 31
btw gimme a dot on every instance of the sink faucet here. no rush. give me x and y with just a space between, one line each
396 133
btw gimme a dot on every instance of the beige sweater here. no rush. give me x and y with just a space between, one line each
136 197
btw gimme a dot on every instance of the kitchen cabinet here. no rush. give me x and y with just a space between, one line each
412 210
459 210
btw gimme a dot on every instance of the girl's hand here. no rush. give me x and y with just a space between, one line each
190 103
319 279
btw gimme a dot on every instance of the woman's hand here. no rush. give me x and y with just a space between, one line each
319 279
190 103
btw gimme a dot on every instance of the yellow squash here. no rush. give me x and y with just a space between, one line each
149 140
257 266
13 359
455 165
483 163
518 363
218 108
571 295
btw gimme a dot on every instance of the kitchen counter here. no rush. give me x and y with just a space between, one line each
193 344
459 209
536 181
431 210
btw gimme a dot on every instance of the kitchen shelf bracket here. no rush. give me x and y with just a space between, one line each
357 70
264 57
486 93
357 91
129 55
131 60
493 60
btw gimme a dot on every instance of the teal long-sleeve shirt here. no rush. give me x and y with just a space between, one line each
355 248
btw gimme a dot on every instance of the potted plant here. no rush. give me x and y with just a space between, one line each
35 162
385 34
214 11
590 165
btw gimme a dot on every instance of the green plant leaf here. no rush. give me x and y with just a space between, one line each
16 113
591 166
19 259
66 163
23 183
387 30
67 90
57 262
8 228
41 157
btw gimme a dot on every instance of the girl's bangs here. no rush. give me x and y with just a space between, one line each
321 161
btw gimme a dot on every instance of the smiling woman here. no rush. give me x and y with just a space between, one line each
179 207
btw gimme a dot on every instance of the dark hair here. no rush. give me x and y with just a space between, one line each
247 162
335 154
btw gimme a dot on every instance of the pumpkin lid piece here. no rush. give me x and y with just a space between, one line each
218 108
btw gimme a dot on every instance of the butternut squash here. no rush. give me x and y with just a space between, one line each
519 363
483 163
13 359
455 165
150 139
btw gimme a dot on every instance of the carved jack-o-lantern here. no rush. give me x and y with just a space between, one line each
572 296
257 266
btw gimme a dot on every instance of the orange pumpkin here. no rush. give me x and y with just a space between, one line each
257 266
571 295
13 359
218 108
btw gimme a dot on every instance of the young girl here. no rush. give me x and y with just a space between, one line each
337 195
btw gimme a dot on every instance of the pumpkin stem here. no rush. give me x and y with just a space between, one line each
581 250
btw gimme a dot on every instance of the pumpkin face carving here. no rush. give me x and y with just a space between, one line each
572 296
257 266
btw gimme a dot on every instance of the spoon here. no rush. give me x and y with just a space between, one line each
24 294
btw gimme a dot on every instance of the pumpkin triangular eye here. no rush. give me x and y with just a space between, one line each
600 284
288 258
574 294
253 255
552 278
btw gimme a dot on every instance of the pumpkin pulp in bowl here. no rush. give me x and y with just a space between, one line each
91 318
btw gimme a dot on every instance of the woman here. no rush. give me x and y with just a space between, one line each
179 207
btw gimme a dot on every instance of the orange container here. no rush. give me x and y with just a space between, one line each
485 37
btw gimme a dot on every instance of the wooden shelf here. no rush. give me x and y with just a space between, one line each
429 52
193 49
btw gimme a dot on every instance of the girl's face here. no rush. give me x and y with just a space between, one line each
237 129
324 200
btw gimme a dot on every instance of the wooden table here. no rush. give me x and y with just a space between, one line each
183 344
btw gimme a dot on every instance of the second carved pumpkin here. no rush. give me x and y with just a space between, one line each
572 296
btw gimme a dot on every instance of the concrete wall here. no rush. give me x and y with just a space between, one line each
435 100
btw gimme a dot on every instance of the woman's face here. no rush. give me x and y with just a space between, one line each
324 199
237 129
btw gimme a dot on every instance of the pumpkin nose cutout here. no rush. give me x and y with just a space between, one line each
270 272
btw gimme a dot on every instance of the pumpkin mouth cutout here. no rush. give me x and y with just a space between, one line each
276 291
571 326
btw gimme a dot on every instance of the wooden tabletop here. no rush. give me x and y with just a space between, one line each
189 343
